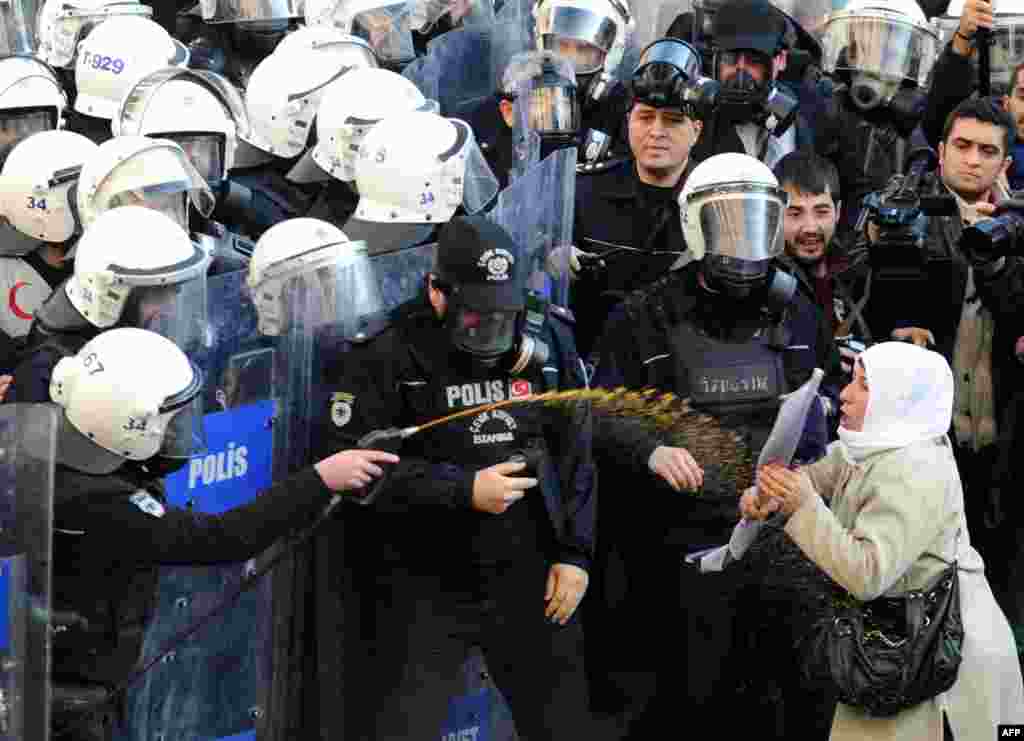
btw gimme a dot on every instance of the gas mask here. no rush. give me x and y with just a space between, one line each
759 283
868 91
496 339
743 99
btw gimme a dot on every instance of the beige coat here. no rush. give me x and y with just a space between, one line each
892 526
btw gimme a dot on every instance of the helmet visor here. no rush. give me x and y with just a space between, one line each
742 222
586 58
880 44
176 311
170 199
386 30
184 431
478 180
485 334
205 152
17 124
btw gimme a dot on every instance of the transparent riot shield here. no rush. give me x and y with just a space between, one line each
214 684
537 211
463 67
28 442
18 26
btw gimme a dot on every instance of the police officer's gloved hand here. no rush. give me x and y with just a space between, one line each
569 256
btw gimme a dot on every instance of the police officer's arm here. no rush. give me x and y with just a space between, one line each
145 530
953 72
364 397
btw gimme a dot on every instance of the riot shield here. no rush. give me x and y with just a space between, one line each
18 26
463 67
28 444
537 211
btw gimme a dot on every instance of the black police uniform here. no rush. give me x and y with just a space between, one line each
614 208
434 574
733 359
111 532
253 199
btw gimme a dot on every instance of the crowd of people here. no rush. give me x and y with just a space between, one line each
292 287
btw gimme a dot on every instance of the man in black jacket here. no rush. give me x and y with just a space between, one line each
627 215
493 547
970 309
113 525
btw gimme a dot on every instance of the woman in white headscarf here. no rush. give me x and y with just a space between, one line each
882 514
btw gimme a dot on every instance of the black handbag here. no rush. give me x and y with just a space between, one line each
891 653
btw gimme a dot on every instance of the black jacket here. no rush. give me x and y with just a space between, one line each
388 382
612 211
111 532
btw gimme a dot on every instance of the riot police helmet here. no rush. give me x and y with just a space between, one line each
732 210
128 394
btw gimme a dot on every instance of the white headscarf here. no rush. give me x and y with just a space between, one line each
910 399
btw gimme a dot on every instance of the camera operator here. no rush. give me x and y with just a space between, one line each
974 291
754 116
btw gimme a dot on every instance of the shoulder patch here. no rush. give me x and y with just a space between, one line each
147 503
341 408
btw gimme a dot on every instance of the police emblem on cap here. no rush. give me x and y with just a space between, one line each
497 263
341 408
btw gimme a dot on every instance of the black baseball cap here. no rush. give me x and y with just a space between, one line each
482 262
749 24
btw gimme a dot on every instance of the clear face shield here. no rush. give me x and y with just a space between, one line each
742 228
17 124
582 36
177 311
478 182
205 151
182 418
334 284
387 30
137 181
879 51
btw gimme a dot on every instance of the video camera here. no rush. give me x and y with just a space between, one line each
901 214
1000 236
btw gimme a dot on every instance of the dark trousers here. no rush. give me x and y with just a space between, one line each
995 541
424 625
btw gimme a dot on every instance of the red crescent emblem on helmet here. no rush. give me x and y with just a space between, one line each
12 301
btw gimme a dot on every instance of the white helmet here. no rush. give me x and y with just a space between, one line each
301 247
157 284
310 36
62 24
384 24
36 182
137 170
347 113
31 99
285 90
116 54
200 111
732 207
127 394
419 168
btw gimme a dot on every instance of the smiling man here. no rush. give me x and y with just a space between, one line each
833 277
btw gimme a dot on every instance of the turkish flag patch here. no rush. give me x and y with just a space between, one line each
519 388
